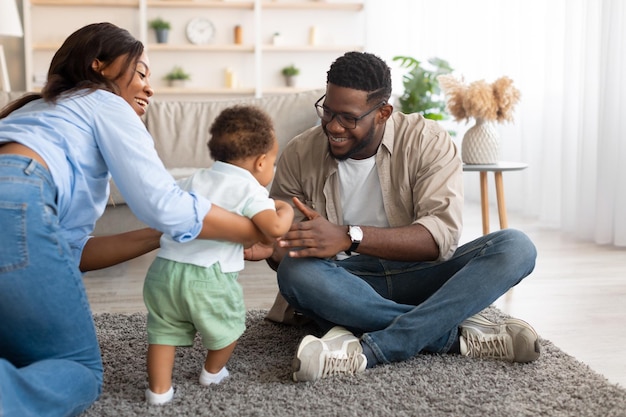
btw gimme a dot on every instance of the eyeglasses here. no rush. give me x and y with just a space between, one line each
347 121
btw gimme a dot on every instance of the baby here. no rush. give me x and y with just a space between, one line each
192 287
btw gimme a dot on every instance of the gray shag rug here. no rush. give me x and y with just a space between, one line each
428 385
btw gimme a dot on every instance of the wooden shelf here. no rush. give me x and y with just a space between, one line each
47 46
311 48
86 3
311 5
283 90
210 4
190 91
167 47
171 47
203 91
257 63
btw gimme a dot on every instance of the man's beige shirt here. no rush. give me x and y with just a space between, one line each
420 172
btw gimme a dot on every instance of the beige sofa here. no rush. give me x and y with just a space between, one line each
180 131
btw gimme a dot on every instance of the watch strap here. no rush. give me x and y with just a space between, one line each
355 243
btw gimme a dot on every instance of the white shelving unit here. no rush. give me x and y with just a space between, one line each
256 63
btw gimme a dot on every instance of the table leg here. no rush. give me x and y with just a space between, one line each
504 223
484 201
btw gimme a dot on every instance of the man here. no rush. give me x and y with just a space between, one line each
373 258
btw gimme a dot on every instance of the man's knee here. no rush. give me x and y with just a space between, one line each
292 270
303 275
519 243
518 249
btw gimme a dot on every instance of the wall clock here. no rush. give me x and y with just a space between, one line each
200 31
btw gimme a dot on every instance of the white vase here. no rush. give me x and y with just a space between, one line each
481 144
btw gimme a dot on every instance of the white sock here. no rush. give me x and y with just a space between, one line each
158 399
207 378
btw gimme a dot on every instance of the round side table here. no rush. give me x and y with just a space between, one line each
497 170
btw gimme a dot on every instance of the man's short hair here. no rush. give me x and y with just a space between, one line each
362 71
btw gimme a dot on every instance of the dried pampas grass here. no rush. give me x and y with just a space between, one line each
480 99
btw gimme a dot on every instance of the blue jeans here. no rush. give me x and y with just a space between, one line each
404 308
50 363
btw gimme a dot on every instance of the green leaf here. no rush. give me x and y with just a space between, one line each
422 93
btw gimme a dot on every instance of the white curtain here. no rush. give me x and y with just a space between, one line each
568 58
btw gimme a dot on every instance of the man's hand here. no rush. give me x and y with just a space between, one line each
315 237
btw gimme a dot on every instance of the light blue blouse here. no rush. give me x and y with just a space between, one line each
87 139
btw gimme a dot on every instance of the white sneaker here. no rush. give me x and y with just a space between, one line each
315 359
513 341
339 338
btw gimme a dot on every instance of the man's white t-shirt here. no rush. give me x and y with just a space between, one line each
361 194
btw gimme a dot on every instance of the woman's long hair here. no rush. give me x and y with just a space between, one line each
71 67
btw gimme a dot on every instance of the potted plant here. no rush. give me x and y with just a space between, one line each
422 93
290 73
162 29
177 77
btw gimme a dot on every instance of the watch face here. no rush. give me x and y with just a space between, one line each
356 234
200 31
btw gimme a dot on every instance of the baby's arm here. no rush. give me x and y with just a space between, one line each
275 223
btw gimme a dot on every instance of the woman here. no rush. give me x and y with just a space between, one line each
58 151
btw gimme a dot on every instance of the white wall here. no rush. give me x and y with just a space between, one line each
481 39
14 51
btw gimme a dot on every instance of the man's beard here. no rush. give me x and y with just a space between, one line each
367 140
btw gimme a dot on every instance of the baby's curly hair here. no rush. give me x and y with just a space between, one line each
239 132
362 71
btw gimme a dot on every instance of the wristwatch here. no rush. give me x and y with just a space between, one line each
356 235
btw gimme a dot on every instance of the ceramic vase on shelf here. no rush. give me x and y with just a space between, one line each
481 144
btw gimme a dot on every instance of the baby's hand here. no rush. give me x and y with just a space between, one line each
258 252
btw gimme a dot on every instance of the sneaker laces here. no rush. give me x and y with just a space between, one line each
487 346
340 363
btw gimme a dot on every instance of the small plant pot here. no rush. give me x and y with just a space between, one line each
178 83
162 35
291 80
